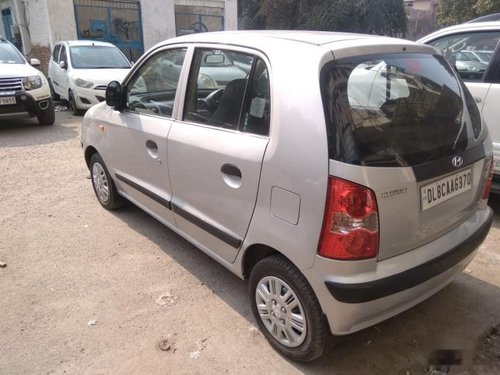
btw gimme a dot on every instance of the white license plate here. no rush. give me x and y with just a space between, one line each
445 188
7 100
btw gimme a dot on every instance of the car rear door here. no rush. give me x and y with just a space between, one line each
416 140
215 152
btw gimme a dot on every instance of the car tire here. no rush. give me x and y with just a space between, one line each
55 96
104 187
47 116
280 295
72 104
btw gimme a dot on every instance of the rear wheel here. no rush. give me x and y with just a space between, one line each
47 116
287 310
104 187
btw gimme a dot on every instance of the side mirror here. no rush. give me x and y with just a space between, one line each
63 65
35 62
114 94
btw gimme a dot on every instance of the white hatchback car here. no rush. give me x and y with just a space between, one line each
80 70
346 176
479 41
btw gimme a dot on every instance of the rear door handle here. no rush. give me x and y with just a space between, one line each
152 149
151 145
231 175
477 99
231 170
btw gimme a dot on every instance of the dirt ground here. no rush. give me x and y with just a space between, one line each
86 291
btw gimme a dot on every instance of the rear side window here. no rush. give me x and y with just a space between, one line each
228 89
393 110
470 52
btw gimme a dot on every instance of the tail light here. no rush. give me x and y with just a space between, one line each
350 225
489 177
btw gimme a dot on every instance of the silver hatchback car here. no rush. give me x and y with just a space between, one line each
346 176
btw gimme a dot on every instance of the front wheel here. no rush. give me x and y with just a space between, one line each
47 116
72 104
287 310
104 187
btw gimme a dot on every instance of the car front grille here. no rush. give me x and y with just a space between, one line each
101 87
10 84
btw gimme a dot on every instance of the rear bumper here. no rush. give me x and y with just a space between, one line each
356 295
369 291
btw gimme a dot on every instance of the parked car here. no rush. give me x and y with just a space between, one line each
481 38
80 70
483 56
341 209
24 90
468 65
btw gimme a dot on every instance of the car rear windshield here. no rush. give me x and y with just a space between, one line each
393 110
9 54
98 57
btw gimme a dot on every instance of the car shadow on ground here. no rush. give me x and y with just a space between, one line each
454 318
14 133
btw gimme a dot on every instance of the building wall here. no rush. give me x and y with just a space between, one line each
158 17
62 22
231 15
37 21
158 21
420 4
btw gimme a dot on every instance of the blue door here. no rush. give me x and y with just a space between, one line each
117 22
7 24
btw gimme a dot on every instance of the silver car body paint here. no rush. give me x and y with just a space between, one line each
293 163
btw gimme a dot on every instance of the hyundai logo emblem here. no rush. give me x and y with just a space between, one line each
457 161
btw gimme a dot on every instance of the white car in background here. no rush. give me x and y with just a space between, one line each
482 38
79 71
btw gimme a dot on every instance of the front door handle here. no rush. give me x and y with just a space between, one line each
477 99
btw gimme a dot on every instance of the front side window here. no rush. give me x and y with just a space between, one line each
228 89
55 54
153 87
98 57
393 110
470 53
63 56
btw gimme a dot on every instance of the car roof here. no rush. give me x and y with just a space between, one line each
286 40
488 17
87 43
473 26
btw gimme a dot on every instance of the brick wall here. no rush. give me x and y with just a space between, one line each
41 53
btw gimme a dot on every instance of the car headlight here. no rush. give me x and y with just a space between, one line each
206 82
32 82
83 83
